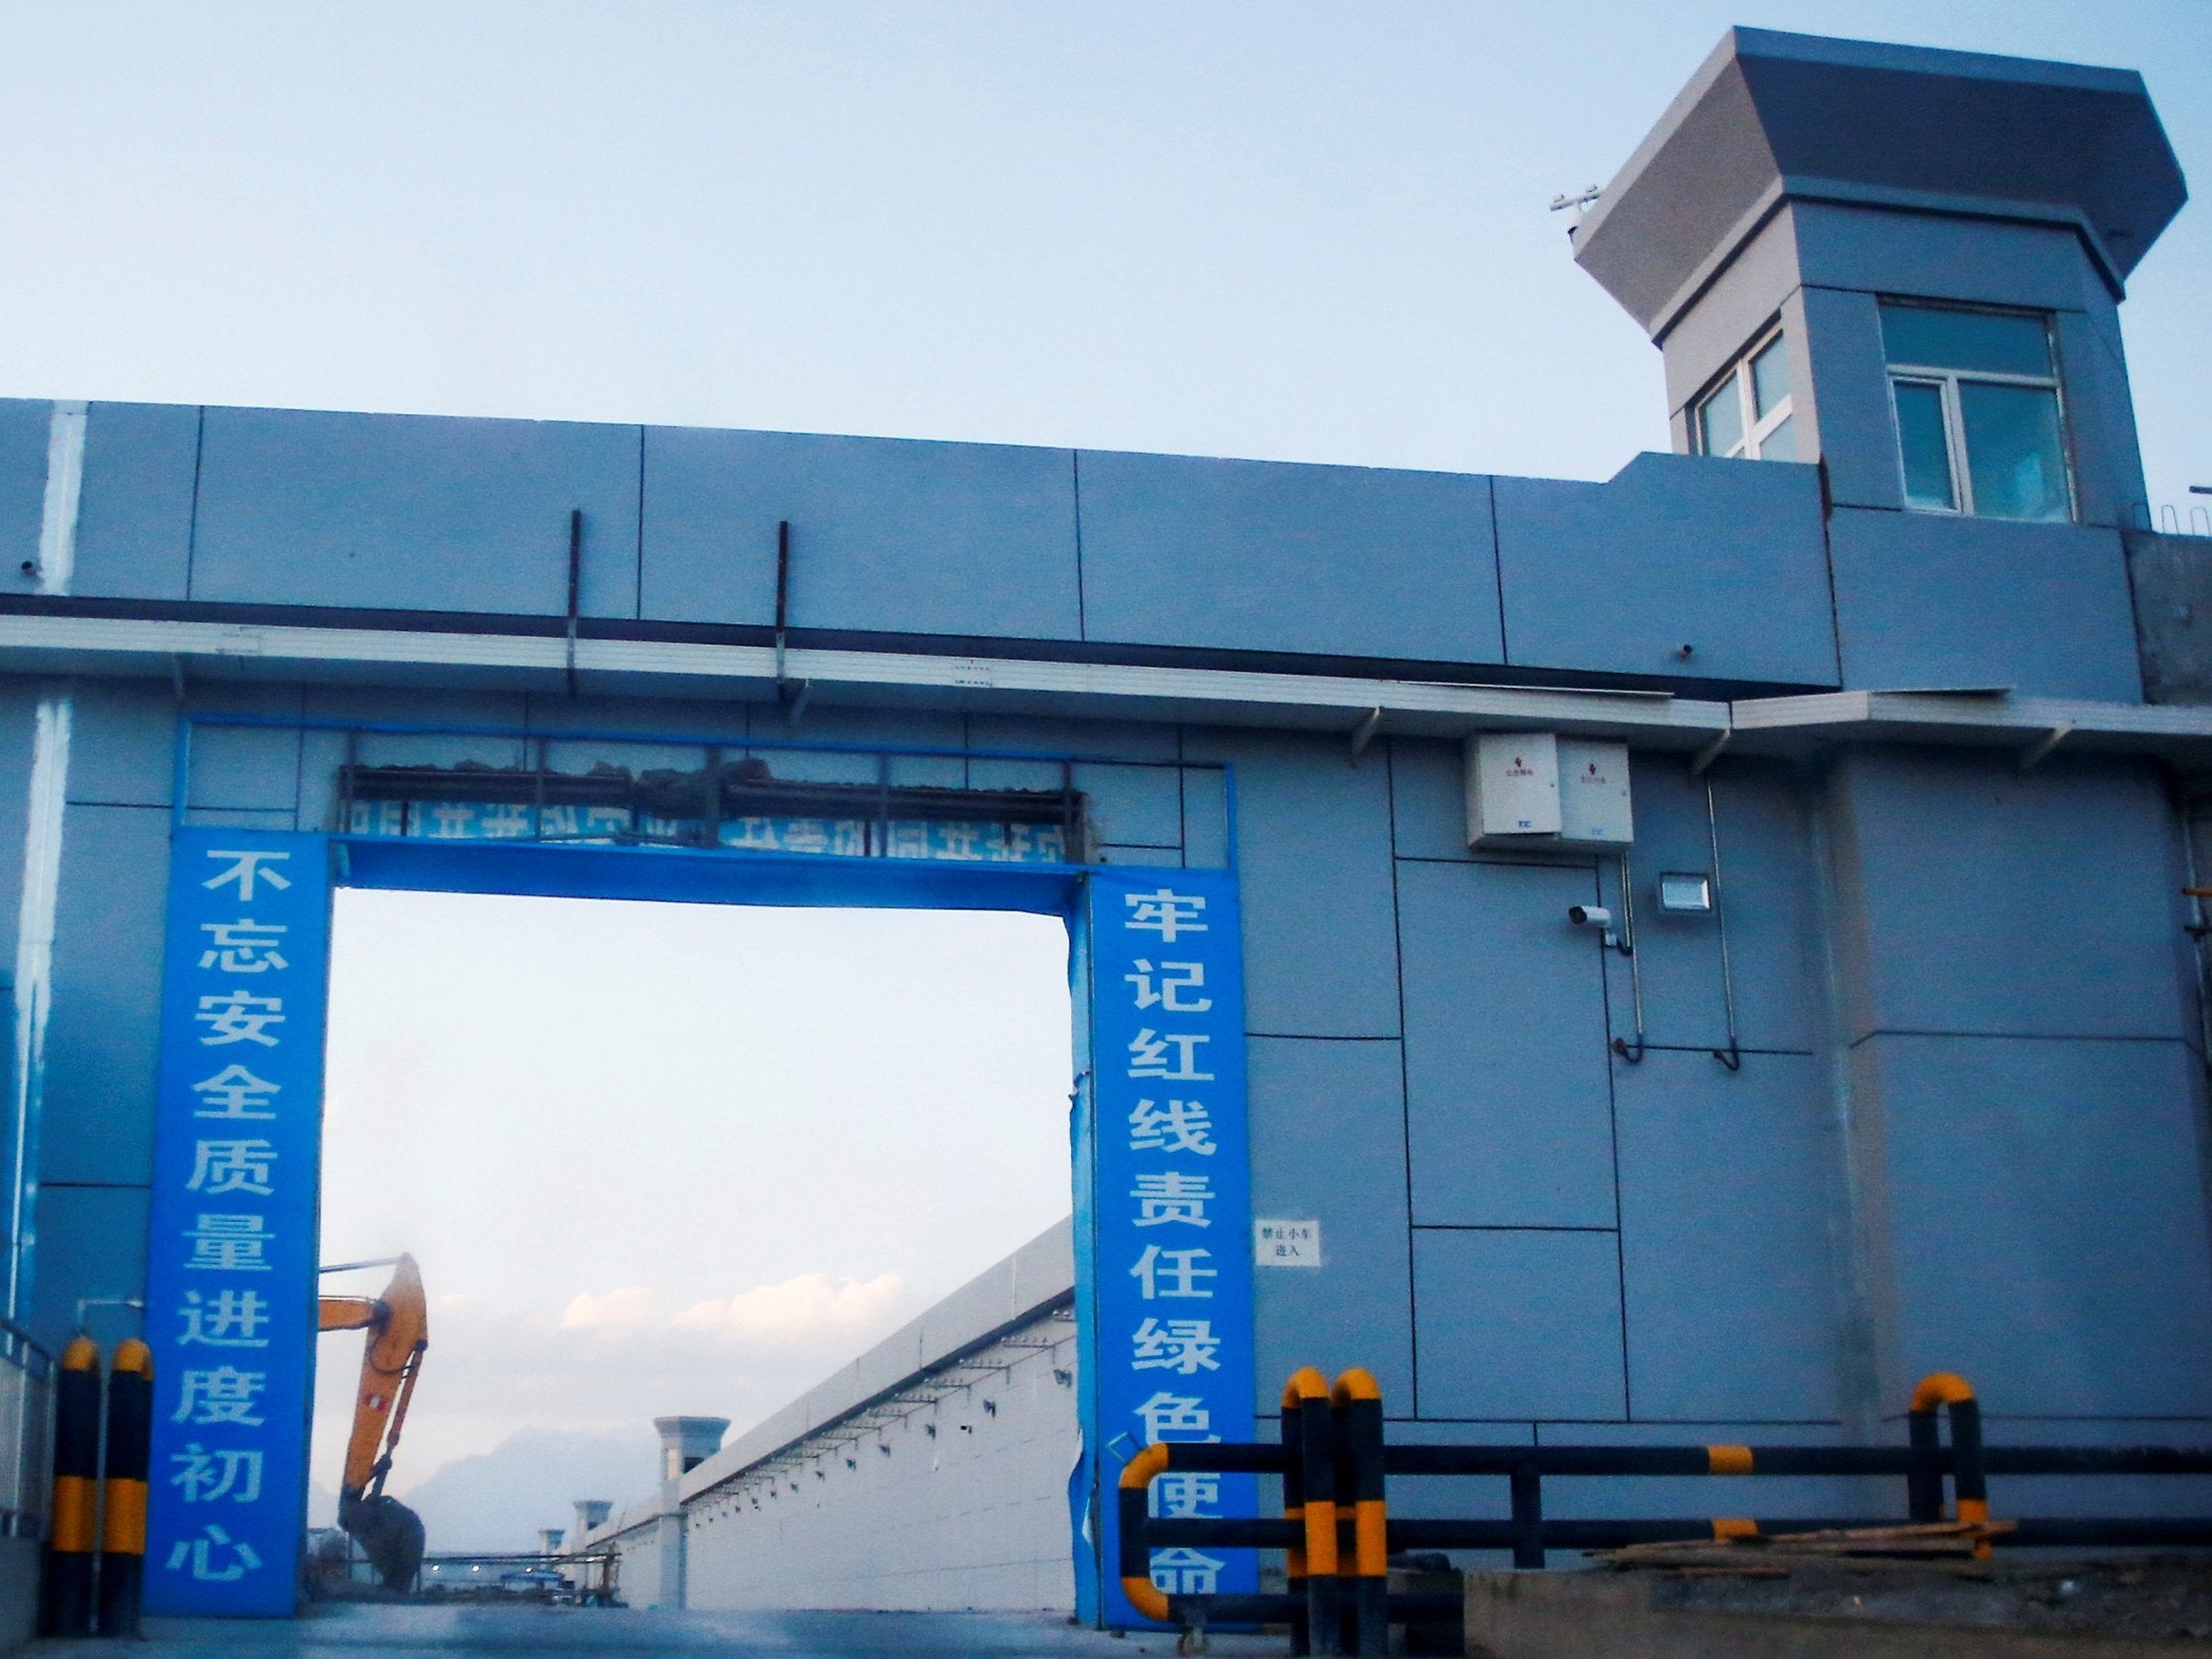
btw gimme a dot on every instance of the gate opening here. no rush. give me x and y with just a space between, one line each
658 1158
1102 1331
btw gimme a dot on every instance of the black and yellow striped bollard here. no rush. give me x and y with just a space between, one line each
66 1597
122 1521
1358 1402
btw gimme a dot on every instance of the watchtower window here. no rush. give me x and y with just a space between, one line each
1976 399
1747 414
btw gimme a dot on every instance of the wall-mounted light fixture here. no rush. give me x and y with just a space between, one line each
1686 893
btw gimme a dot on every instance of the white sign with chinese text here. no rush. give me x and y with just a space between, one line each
1278 1243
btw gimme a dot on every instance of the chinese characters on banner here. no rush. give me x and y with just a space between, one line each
1172 1206
958 841
230 1278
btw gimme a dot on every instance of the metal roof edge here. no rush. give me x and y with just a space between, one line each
140 647
2036 726
1348 704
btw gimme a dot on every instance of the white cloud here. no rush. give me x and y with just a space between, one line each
802 1307
632 1308
809 1304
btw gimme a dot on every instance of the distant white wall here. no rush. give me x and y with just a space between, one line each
645 1579
638 1580
932 1474
974 1515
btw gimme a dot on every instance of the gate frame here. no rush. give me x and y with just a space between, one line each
735 876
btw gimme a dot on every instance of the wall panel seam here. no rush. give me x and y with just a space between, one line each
1497 567
1945 1033
1404 1077
1499 863
1506 1228
1075 480
192 512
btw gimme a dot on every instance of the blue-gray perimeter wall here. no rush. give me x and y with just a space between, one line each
1119 553
1966 1133
1680 570
1967 1130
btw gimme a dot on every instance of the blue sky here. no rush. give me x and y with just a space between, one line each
1286 230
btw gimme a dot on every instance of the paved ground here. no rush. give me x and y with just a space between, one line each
372 1632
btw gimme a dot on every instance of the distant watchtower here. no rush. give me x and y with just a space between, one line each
1905 265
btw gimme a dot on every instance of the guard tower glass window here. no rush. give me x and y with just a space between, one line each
1976 397
1748 413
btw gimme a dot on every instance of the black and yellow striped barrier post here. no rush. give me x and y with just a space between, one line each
1333 1459
66 1599
1358 1399
1294 1511
122 1521
1948 1391
1733 1460
1309 1437
1524 1495
1136 1493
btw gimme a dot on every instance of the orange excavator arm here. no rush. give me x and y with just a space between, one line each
398 1328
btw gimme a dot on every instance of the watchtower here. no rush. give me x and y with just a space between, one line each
1905 265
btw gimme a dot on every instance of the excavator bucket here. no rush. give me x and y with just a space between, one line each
388 1532
390 1535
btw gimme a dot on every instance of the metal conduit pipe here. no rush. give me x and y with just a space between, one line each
1731 1056
2197 926
1631 1053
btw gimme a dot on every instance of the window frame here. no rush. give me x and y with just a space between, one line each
1756 428
1947 382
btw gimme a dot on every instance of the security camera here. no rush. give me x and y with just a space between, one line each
1590 915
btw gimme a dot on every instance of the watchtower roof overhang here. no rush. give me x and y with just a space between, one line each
1773 117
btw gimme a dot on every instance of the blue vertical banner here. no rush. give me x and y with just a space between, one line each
1170 1205
231 1268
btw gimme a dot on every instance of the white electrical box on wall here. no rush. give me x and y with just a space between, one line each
1512 787
1538 790
1594 809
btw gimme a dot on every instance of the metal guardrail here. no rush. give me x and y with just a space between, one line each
1337 1533
593 1576
26 1432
